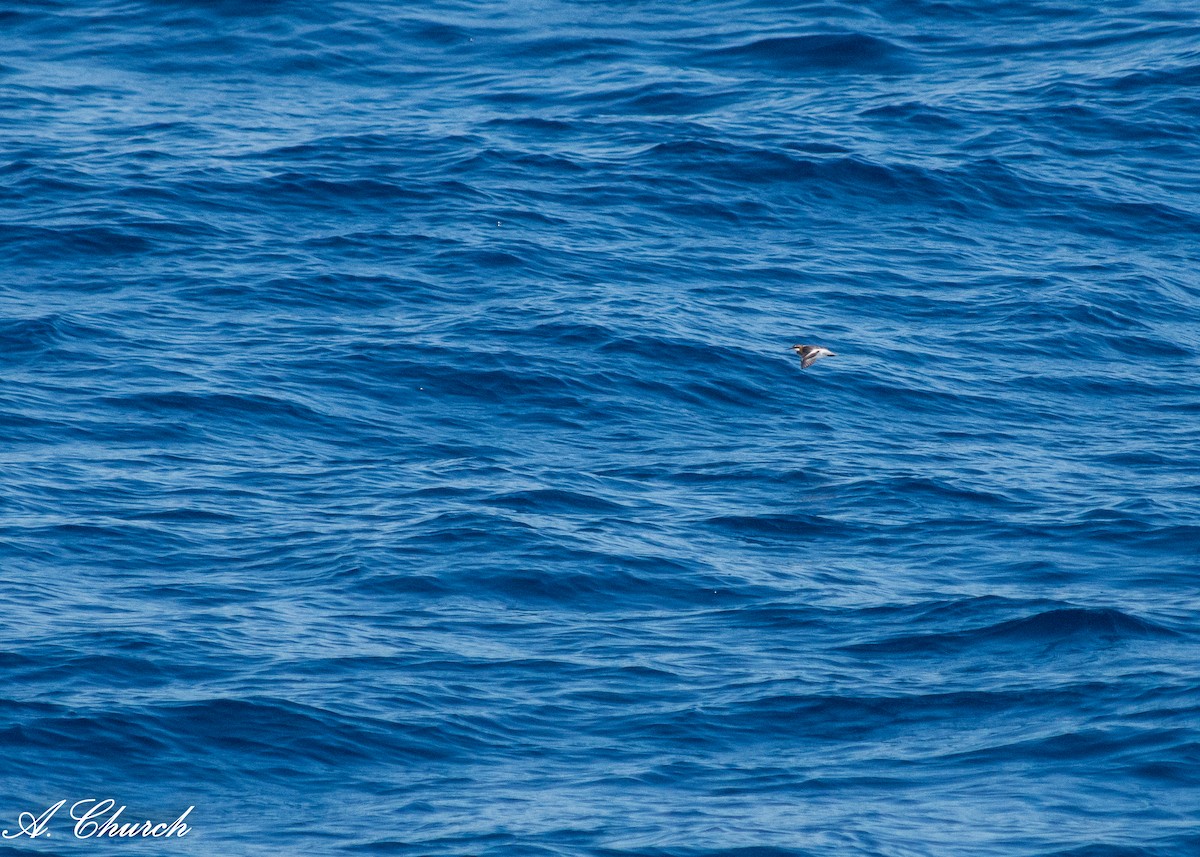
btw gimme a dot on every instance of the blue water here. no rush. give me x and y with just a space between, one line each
402 453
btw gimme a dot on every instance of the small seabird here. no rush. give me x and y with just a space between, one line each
810 354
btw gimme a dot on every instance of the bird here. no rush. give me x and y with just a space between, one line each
809 354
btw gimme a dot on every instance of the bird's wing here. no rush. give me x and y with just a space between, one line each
807 360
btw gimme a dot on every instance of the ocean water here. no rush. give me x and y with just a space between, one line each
402 453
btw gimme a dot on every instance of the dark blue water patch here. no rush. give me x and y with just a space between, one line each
293 735
769 528
730 165
546 575
818 53
748 851
854 181
221 409
567 51
1116 850
917 116
936 720
925 492
1082 746
1180 76
536 126
44 337
114 671
315 290
551 501
1065 626
655 99
80 240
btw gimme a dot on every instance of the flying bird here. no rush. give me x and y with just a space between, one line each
810 354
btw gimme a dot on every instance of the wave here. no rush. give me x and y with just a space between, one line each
1075 626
